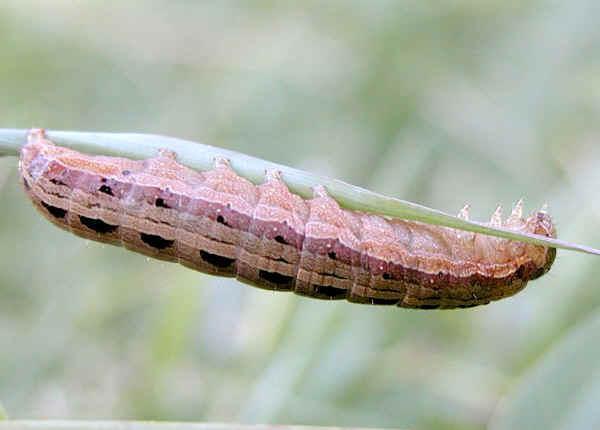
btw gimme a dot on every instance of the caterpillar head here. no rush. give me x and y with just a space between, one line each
545 227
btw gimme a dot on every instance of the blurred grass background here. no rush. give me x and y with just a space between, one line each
439 102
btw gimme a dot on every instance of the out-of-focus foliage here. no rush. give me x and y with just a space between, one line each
441 102
148 425
562 391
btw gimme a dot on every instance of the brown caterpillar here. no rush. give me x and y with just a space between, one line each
219 223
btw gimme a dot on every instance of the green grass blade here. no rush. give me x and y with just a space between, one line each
201 157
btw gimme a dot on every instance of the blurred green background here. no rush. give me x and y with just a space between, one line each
439 102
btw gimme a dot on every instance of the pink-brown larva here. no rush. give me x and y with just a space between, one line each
219 223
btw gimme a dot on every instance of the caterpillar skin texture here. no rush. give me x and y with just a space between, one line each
219 223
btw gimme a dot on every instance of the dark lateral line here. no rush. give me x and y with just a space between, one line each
156 241
54 211
160 243
97 225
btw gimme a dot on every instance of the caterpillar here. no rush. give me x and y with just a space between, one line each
219 223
